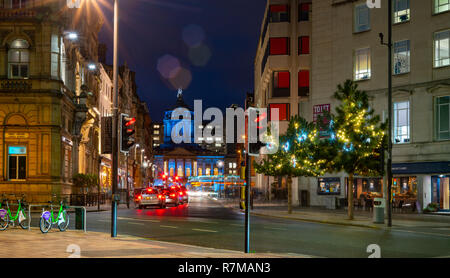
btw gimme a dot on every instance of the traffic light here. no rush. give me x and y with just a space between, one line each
127 132
258 125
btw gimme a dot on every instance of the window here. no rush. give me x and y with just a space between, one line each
443 118
401 57
401 122
55 56
17 162
283 111
303 11
401 11
362 64
303 83
156 132
281 84
441 6
279 46
362 18
18 59
329 186
13 4
442 48
279 13
303 45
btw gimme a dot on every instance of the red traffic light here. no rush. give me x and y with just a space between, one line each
130 122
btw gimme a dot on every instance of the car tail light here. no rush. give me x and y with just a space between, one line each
160 196
181 193
149 190
172 195
139 197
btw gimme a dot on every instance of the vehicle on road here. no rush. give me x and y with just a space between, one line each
172 196
182 194
150 196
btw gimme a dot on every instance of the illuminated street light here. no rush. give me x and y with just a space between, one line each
92 66
72 36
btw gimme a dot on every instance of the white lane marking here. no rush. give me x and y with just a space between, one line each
172 227
102 220
202 230
271 228
134 223
136 219
423 233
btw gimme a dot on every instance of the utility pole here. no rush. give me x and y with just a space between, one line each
389 149
247 202
115 145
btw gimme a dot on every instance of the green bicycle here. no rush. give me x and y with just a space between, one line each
6 217
48 219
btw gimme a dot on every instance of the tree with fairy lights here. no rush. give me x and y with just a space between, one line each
357 137
295 155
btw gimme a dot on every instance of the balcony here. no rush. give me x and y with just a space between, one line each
16 85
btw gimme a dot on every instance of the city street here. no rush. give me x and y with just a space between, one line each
205 222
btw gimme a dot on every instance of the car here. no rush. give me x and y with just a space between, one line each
183 195
148 197
172 196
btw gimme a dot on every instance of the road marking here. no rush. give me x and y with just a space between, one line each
172 227
102 220
202 230
133 223
280 229
424 233
239 225
136 219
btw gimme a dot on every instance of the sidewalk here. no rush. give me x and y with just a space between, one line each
362 218
18 243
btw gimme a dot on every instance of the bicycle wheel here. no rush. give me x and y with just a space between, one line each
63 222
4 220
45 225
23 220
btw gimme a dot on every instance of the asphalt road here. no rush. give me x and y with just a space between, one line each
205 222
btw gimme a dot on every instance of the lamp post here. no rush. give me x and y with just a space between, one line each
389 150
115 145
81 110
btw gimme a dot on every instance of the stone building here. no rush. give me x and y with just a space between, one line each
47 95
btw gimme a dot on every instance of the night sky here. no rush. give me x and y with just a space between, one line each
168 42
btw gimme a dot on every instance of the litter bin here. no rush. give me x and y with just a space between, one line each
79 219
378 210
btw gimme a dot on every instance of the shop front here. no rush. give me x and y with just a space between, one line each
440 193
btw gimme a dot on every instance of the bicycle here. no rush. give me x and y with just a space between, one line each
6 217
48 220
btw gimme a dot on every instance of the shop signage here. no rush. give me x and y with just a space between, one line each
318 110
421 168
16 135
106 135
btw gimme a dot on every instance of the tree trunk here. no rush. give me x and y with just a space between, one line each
289 188
350 196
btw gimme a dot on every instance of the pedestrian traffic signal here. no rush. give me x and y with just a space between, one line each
255 131
127 132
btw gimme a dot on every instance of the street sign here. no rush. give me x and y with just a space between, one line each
106 135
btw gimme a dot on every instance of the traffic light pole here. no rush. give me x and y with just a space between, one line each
115 129
247 203
389 161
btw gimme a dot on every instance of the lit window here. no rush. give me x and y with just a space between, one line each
283 111
279 13
156 126
362 64
401 57
55 56
279 46
17 162
281 84
401 11
442 48
18 59
362 18
156 132
303 83
401 122
441 6
442 118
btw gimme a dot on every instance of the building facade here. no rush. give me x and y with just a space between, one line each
344 44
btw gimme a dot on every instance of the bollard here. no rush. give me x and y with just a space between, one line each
79 219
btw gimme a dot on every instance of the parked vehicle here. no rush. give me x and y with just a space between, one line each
149 197
7 218
48 218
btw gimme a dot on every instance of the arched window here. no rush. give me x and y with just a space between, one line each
18 59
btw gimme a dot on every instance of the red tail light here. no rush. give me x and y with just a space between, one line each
139 197
172 195
160 196
149 190
181 193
